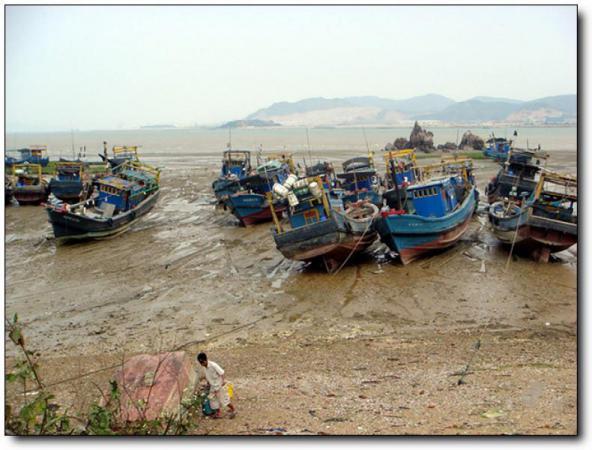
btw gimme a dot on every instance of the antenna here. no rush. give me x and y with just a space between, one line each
73 151
366 139
229 137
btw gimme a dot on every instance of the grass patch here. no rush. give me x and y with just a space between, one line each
473 154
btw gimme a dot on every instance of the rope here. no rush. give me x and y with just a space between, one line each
353 249
513 242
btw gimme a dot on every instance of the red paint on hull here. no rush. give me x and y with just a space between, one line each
444 241
262 216
333 255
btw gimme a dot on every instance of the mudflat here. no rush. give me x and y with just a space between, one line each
377 348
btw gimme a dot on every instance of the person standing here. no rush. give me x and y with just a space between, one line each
214 375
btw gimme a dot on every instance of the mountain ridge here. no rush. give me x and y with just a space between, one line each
380 111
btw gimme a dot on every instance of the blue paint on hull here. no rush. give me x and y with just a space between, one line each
411 235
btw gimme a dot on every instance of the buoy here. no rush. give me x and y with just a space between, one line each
315 190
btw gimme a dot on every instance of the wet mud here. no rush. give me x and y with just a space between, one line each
355 347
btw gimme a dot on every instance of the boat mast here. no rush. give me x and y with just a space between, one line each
308 143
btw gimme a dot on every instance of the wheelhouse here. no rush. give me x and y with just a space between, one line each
435 198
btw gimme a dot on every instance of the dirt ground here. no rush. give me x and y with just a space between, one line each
375 349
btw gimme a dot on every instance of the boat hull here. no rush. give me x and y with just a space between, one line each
66 190
251 209
535 235
413 236
68 226
327 241
30 195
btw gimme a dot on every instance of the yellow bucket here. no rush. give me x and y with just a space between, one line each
230 389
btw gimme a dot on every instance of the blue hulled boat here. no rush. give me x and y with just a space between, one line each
516 176
250 205
119 201
35 154
431 214
497 148
359 181
236 165
544 222
28 185
321 228
69 183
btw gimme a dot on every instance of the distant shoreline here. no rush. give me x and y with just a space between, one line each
292 127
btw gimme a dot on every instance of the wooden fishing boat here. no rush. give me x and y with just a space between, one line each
250 205
120 200
35 154
359 181
320 229
236 165
544 222
517 175
497 148
431 214
69 183
28 185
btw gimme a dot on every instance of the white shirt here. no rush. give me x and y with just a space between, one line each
213 374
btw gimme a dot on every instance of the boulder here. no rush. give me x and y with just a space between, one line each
471 141
449 146
421 139
153 386
401 143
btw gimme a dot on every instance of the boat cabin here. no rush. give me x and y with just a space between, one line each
35 154
27 174
122 194
69 171
435 198
236 162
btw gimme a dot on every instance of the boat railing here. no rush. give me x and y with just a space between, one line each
137 166
407 156
27 169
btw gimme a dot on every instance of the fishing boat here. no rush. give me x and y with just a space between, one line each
497 148
431 214
320 168
28 185
359 181
119 200
70 182
541 223
236 165
320 228
35 154
516 176
119 154
250 205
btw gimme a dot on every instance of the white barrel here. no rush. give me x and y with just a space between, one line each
280 190
315 190
292 199
301 184
289 182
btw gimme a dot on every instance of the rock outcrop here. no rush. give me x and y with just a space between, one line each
471 141
421 139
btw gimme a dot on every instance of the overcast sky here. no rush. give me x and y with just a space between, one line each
74 67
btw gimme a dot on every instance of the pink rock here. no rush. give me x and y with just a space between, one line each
152 386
